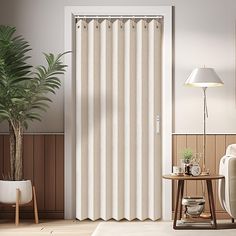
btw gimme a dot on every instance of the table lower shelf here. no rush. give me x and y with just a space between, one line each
199 224
222 224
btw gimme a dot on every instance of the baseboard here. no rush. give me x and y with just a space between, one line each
30 215
222 215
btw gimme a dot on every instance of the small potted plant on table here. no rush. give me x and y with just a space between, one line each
24 93
186 157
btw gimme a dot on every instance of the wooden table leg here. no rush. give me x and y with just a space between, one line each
36 217
211 202
209 199
181 197
177 203
17 207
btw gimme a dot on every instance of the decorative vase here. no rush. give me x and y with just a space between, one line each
186 167
8 191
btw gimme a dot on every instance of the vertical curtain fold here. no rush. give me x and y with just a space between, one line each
157 111
130 146
94 120
118 121
106 120
82 119
118 92
154 91
142 113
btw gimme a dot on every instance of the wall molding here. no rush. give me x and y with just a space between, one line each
202 133
36 133
43 164
10 214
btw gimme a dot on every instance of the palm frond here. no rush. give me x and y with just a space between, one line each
23 93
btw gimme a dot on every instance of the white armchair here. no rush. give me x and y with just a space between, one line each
227 186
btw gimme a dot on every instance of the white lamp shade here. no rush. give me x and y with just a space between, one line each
204 77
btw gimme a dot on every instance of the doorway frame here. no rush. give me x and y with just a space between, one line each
69 98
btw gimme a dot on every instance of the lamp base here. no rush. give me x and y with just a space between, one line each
205 173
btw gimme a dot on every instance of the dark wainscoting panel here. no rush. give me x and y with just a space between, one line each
43 164
216 145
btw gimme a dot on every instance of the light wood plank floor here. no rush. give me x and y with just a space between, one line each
52 228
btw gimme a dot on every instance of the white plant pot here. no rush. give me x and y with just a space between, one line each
8 191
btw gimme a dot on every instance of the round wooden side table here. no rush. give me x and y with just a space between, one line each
180 190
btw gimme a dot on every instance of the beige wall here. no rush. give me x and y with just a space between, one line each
204 34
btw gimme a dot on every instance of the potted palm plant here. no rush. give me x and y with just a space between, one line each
24 92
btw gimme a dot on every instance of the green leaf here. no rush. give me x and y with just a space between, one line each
17 99
24 90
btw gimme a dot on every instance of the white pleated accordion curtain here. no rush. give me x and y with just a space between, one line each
118 97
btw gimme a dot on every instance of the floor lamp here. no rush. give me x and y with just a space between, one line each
204 78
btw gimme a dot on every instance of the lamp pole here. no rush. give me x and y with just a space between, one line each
204 129
204 171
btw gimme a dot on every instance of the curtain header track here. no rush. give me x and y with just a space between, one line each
118 17
113 18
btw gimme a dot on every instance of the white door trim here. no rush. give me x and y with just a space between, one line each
70 138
